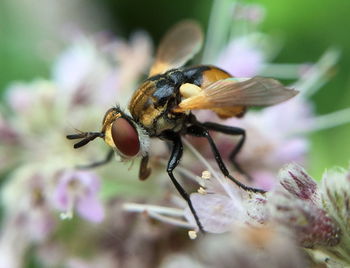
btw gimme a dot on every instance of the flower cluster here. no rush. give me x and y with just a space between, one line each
42 187
315 217
39 162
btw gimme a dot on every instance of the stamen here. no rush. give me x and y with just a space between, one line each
69 213
134 207
188 173
192 234
158 213
166 219
202 159
225 184
202 191
206 175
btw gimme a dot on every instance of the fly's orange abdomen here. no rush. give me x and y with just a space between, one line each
208 74
151 103
213 74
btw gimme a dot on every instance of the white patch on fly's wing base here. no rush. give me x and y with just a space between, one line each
188 90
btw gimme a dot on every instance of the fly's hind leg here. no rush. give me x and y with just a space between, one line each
231 131
201 131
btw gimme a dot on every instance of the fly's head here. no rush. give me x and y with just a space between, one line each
120 132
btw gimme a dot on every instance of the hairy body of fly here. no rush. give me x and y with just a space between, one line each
152 104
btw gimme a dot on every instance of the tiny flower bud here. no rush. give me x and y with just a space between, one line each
295 180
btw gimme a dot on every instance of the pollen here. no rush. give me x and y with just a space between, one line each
206 175
202 191
192 234
68 215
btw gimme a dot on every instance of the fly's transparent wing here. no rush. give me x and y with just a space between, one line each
178 46
257 91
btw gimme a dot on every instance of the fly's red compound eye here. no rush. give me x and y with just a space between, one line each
125 137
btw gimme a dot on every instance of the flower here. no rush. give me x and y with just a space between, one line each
300 208
243 247
260 230
299 184
317 217
224 205
79 189
335 196
28 217
38 160
243 56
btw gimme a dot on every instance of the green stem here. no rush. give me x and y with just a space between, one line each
218 29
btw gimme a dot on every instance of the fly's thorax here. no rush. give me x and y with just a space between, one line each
152 103
124 135
204 75
169 121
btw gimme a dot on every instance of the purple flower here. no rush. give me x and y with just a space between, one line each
254 13
222 205
298 183
27 217
20 98
311 224
248 247
217 212
25 99
241 58
295 205
92 72
78 190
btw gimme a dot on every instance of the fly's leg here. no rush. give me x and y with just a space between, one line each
174 160
201 131
104 161
231 131
144 170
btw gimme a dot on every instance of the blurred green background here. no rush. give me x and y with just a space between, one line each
30 39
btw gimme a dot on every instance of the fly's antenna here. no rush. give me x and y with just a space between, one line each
86 138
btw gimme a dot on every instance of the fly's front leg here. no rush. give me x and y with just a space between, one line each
144 171
174 160
107 159
201 131
231 131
